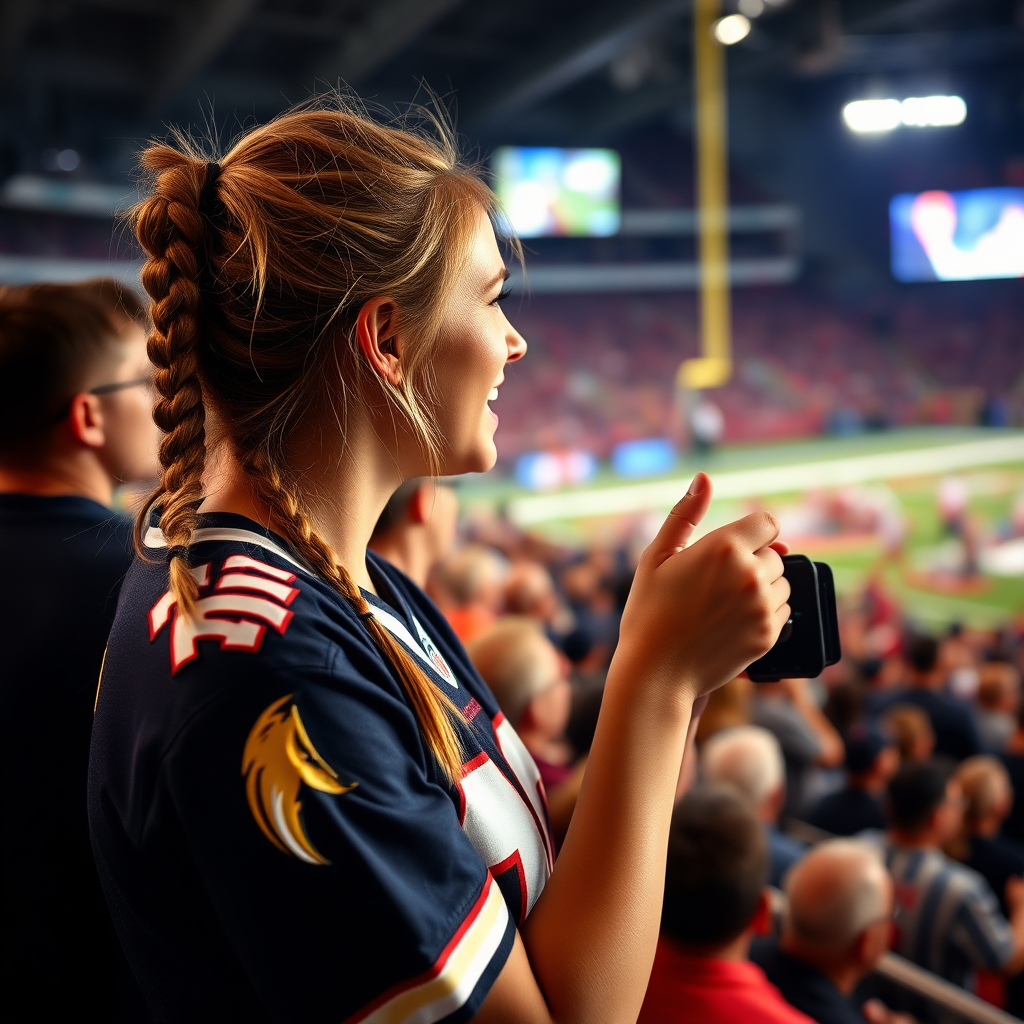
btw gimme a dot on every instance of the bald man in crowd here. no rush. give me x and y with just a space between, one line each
529 678
417 527
469 587
750 758
836 928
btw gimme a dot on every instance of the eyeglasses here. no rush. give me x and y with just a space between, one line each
106 389
103 389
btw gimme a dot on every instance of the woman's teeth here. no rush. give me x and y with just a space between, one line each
493 395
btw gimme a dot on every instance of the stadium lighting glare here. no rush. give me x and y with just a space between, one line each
751 8
915 112
933 111
872 115
731 29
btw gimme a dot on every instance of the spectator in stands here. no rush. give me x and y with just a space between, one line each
871 760
807 737
728 707
75 422
950 921
470 589
912 729
587 586
417 527
1013 759
530 591
715 902
750 758
997 700
530 680
988 796
956 735
836 928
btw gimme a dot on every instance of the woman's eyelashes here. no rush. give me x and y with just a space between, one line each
498 299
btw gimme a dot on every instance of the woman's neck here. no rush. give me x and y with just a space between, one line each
346 496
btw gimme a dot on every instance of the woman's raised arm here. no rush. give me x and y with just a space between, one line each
696 617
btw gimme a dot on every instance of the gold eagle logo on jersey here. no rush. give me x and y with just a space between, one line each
277 759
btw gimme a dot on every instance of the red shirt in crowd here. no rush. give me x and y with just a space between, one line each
690 989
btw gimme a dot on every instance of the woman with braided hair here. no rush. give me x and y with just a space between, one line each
305 804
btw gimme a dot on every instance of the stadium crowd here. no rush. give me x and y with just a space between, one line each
904 763
881 797
805 366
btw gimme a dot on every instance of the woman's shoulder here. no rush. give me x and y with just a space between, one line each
260 613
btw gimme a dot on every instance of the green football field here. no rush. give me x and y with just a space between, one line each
908 465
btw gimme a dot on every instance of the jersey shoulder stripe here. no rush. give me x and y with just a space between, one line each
450 981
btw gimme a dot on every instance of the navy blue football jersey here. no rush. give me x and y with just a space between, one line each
274 838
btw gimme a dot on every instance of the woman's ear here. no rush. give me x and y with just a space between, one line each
377 336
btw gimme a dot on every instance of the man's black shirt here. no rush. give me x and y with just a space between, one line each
803 986
62 560
956 735
847 812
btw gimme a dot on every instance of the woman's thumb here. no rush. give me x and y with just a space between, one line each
677 529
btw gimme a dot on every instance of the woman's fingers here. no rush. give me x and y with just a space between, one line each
780 591
677 529
757 531
782 615
771 564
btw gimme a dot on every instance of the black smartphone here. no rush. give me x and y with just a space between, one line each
810 639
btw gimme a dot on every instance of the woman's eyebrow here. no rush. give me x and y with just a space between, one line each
503 275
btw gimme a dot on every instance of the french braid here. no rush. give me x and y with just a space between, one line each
435 713
172 231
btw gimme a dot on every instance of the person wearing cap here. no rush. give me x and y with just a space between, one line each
871 760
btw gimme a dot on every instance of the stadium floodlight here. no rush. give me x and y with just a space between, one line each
731 29
933 111
751 8
914 112
873 115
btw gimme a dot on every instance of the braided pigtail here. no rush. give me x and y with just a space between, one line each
172 231
435 713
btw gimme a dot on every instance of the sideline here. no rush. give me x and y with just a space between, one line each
746 483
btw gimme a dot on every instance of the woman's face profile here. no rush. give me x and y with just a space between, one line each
474 344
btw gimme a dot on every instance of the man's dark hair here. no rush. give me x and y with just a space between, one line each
717 867
922 653
915 792
52 338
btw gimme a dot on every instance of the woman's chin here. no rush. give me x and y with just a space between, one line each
479 461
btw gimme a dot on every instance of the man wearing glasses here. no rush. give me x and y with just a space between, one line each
75 423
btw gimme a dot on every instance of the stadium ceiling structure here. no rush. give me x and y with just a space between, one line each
91 74
93 79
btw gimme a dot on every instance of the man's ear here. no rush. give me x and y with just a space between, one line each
85 420
761 922
377 336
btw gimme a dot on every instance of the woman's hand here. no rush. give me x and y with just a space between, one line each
698 615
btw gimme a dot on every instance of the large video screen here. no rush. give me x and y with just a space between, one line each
547 191
957 236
